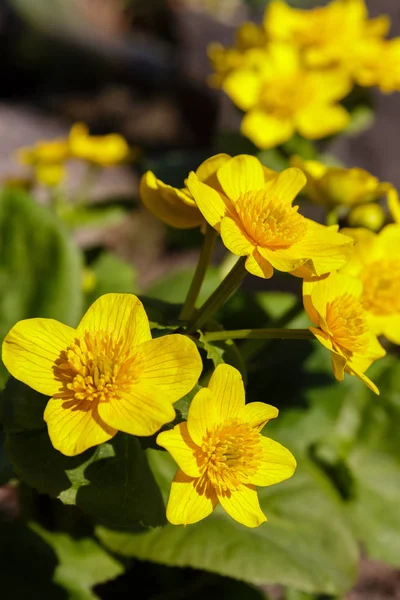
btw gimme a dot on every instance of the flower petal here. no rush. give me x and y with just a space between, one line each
206 172
212 205
339 363
142 410
75 427
171 205
171 364
226 385
202 415
234 238
122 315
320 121
182 448
287 184
276 464
243 88
190 500
243 506
258 414
266 131
31 348
282 259
258 266
241 174
392 328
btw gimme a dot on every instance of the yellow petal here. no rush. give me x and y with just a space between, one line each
75 427
122 315
370 384
171 364
392 328
141 410
226 385
308 286
243 506
211 204
338 365
190 500
202 415
282 259
287 184
266 131
243 87
241 174
320 121
234 238
258 414
334 286
182 448
276 464
170 205
258 266
206 172
322 337
394 204
30 350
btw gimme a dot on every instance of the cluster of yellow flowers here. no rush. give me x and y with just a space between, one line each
48 158
290 73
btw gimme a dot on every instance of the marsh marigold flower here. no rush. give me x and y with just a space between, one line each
334 305
376 262
47 159
222 455
281 97
253 211
107 375
174 206
335 186
102 150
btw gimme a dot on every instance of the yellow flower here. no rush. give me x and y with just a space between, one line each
47 160
281 97
333 304
102 150
174 206
335 186
253 212
328 36
50 175
107 375
376 262
372 216
377 62
221 454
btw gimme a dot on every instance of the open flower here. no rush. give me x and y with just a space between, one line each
176 207
107 375
254 214
376 262
335 186
334 305
47 159
221 454
281 97
102 150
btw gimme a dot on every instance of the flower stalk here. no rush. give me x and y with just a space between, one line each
201 269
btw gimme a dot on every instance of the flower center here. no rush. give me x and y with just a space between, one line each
381 281
269 222
230 454
284 97
347 325
94 368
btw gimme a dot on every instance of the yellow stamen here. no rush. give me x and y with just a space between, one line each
345 319
381 281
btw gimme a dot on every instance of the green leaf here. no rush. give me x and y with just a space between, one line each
111 483
305 544
82 563
91 216
40 267
111 274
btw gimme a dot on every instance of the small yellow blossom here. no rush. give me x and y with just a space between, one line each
47 160
176 207
372 216
222 455
281 97
333 304
107 375
253 212
335 186
377 63
102 150
328 36
376 262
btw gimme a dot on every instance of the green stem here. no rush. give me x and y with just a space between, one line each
220 295
257 334
332 216
198 277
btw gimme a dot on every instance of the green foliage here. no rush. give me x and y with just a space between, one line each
77 216
40 267
112 483
110 274
173 286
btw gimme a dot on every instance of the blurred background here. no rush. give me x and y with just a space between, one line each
139 68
